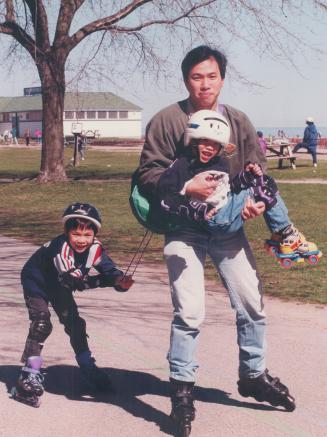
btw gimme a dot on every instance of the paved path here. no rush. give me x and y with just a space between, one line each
129 336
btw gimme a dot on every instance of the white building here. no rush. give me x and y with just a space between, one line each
100 114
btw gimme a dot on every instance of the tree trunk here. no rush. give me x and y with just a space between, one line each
52 78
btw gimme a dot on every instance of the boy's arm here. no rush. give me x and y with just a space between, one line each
171 190
69 276
109 275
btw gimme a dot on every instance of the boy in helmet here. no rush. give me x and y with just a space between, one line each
52 273
207 133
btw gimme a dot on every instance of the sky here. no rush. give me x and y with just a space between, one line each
285 95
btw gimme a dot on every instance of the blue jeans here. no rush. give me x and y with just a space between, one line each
312 149
185 252
229 219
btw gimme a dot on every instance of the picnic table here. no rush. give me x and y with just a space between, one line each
282 149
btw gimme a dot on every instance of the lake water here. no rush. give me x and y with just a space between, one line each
290 131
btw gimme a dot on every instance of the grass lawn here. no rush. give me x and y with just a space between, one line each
25 163
32 212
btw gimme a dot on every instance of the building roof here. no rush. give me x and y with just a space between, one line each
73 102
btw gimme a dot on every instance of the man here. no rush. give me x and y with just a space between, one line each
310 140
185 250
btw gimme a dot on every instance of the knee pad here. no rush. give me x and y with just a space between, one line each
40 330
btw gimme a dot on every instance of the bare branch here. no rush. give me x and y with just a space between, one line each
40 23
167 21
105 23
10 11
65 17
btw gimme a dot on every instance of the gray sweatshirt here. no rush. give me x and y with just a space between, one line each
164 142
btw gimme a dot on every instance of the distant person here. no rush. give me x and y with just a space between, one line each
310 140
6 135
14 136
50 276
81 146
38 135
27 137
262 142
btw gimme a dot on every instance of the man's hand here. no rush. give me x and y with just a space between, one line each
254 168
252 209
201 186
123 283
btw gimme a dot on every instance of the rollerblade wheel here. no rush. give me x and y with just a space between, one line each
290 404
271 250
286 263
31 400
184 432
313 259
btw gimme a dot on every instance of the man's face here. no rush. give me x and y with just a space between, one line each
204 83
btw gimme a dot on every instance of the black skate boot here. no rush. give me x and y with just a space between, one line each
266 192
29 385
97 378
266 388
183 411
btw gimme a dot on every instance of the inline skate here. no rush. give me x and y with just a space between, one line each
29 388
96 378
183 411
266 388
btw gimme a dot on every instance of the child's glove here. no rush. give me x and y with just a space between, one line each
71 282
123 283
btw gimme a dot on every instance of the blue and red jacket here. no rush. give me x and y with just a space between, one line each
56 266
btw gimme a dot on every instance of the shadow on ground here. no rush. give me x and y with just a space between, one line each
128 386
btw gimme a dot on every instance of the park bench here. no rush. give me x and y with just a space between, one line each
281 149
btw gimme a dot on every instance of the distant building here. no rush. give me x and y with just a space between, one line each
99 114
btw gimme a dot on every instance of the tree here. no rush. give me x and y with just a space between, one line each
261 23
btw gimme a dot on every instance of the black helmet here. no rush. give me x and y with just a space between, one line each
83 211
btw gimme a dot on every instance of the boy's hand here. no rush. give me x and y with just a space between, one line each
71 282
201 188
123 283
210 214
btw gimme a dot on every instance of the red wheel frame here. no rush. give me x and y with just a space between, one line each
286 263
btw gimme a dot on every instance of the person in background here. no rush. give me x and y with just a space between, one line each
27 137
310 140
14 136
262 142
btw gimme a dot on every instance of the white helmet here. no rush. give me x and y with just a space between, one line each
208 125
309 120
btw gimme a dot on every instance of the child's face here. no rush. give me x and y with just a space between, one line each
80 239
208 149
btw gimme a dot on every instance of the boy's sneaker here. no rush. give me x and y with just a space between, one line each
294 241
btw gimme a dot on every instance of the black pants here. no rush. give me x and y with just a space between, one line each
66 309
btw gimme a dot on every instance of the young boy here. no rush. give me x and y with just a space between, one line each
51 275
208 135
